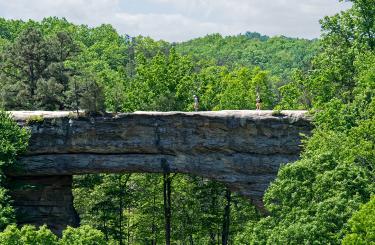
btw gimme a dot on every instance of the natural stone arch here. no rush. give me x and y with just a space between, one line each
242 149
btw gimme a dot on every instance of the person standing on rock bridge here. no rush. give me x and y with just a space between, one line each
196 102
258 102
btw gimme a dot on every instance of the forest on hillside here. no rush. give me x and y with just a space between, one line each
326 197
74 63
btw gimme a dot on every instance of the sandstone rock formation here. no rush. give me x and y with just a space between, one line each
44 200
243 149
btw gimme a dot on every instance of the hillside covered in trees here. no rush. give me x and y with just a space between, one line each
278 55
75 62
324 198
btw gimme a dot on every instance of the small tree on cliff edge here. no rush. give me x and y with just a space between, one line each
92 99
85 93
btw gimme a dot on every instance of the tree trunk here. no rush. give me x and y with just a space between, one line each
120 209
153 225
212 238
128 225
167 207
226 219
191 240
122 186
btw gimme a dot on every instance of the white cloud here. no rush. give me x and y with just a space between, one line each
298 18
82 11
173 27
176 20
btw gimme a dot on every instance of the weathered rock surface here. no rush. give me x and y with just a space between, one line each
243 149
44 200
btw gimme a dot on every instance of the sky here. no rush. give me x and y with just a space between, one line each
180 20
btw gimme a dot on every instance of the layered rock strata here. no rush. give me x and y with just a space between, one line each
243 149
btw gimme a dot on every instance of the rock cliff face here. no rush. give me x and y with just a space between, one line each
243 149
44 200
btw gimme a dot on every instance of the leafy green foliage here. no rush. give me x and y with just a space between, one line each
13 139
346 38
239 89
279 55
312 199
43 236
133 204
7 215
106 206
82 235
33 70
362 225
13 142
27 235
70 64
161 83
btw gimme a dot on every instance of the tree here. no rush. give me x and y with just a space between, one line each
85 92
114 93
297 93
96 69
27 235
362 225
345 37
105 207
92 97
312 199
43 236
49 94
239 89
82 235
226 218
73 94
160 83
279 55
23 63
13 142
167 182
148 209
34 72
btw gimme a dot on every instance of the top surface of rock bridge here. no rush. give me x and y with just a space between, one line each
243 149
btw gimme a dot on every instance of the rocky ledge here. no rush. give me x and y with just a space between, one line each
243 149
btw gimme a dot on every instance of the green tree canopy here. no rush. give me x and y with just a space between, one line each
362 225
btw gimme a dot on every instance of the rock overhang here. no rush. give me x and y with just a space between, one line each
243 149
